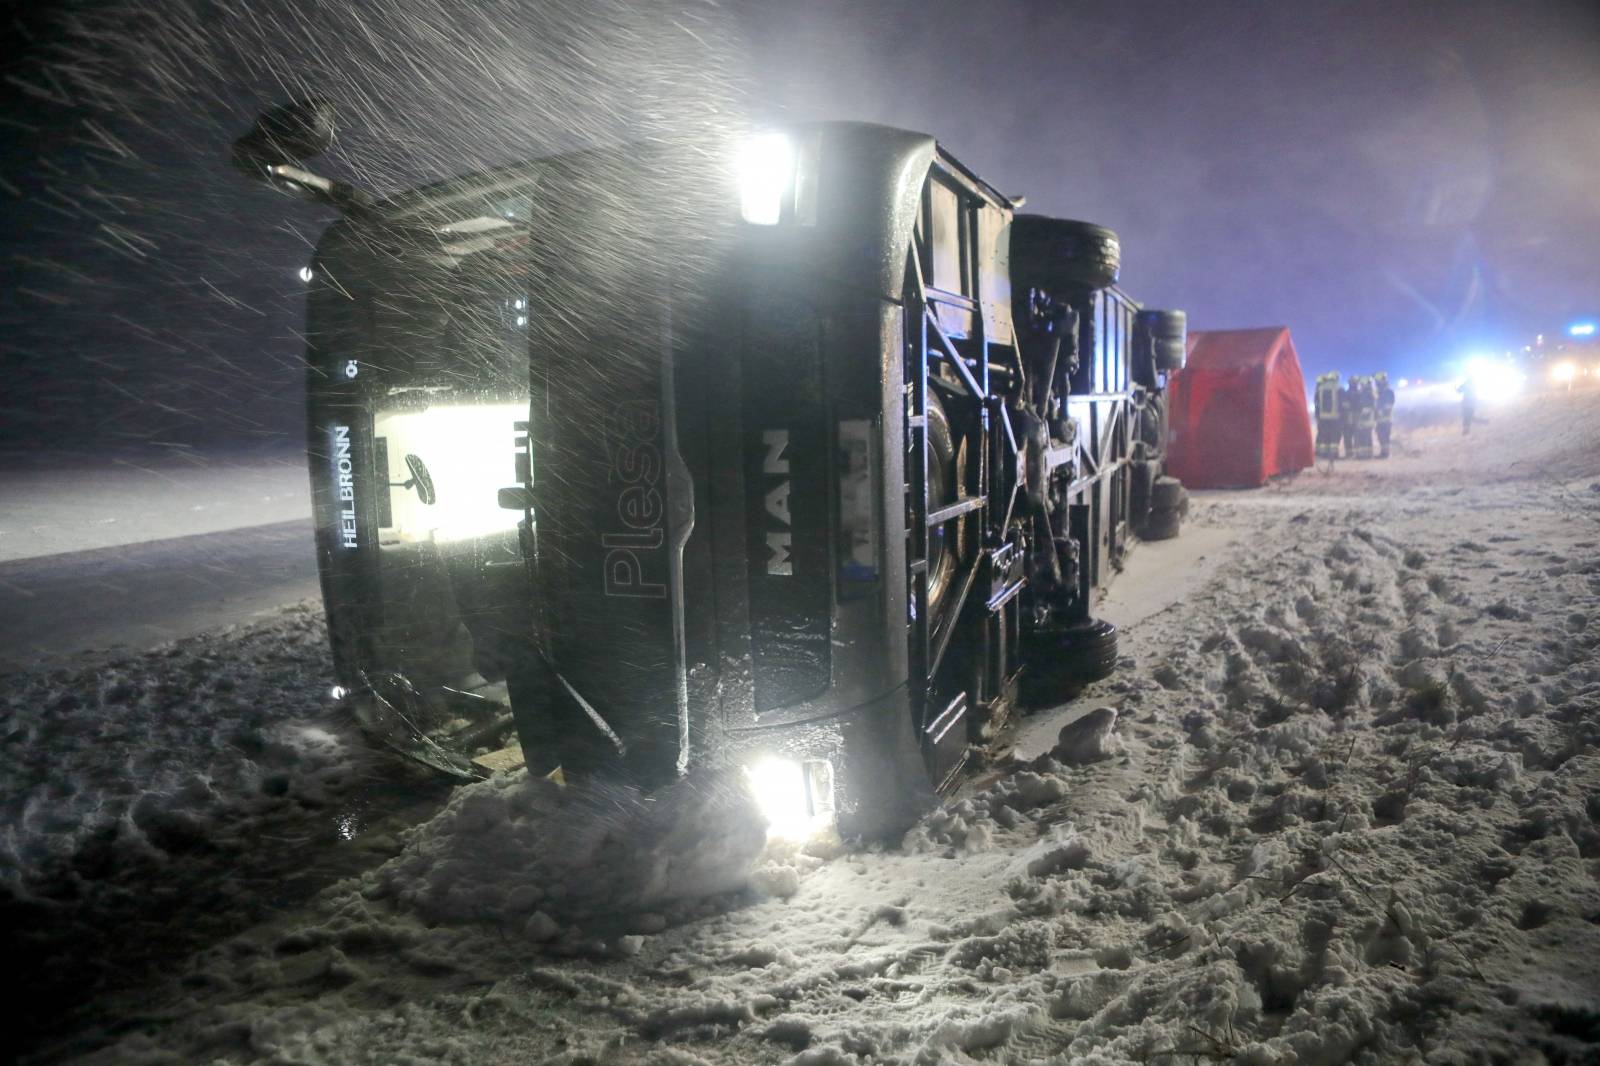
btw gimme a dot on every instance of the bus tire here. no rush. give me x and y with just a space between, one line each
1166 494
1060 254
1152 425
1162 525
1061 661
1168 332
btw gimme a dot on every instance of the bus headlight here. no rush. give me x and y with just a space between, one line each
765 169
795 798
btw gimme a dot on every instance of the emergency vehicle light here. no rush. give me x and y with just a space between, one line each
1495 380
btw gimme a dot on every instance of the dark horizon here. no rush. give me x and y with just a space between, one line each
1397 184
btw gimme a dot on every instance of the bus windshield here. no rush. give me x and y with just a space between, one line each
437 323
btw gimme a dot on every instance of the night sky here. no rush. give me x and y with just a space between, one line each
1398 182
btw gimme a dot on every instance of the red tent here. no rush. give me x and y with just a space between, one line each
1237 410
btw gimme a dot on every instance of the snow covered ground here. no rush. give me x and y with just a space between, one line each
1341 804
54 507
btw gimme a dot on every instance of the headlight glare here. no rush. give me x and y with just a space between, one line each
796 799
765 170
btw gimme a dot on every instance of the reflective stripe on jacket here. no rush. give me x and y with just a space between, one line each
1328 401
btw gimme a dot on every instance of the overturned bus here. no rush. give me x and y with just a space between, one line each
818 474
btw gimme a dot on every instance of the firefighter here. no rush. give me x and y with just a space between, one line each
1330 422
1366 411
1385 413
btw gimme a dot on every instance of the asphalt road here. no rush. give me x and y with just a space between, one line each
140 595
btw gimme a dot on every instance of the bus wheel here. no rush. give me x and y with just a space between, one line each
1060 662
1162 525
1166 494
1059 254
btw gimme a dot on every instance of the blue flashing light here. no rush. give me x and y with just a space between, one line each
1581 329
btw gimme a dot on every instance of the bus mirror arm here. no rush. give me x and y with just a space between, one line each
296 181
